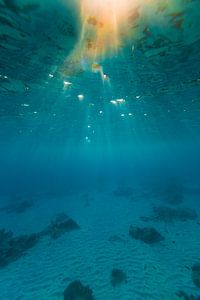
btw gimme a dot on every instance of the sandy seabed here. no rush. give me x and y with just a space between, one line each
153 271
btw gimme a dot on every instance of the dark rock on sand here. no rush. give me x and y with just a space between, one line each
59 226
170 215
196 274
117 277
17 205
77 291
12 248
183 295
148 235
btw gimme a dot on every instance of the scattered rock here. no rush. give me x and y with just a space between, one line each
77 291
148 235
60 225
183 295
17 205
196 274
117 277
123 192
170 215
12 248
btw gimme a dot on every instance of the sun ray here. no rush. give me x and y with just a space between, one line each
107 25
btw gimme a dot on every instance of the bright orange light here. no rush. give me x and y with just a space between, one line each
107 24
103 23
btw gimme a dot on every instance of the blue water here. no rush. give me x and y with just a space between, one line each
99 179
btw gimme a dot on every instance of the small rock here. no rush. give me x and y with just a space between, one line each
12 248
59 226
148 235
117 277
183 295
77 291
17 205
170 215
196 274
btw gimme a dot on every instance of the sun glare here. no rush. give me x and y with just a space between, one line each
106 26
104 21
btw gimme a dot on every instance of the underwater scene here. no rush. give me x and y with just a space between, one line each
99 149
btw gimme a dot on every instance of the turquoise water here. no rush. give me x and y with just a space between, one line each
99 177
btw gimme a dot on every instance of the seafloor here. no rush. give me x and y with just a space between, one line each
157 270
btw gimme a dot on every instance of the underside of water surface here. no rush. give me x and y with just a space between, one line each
99 149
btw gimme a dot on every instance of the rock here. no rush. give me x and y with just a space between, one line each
59 226
169 215
148 235
183 295
77 291
117 277
26 242
196 274
12 248
17 205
